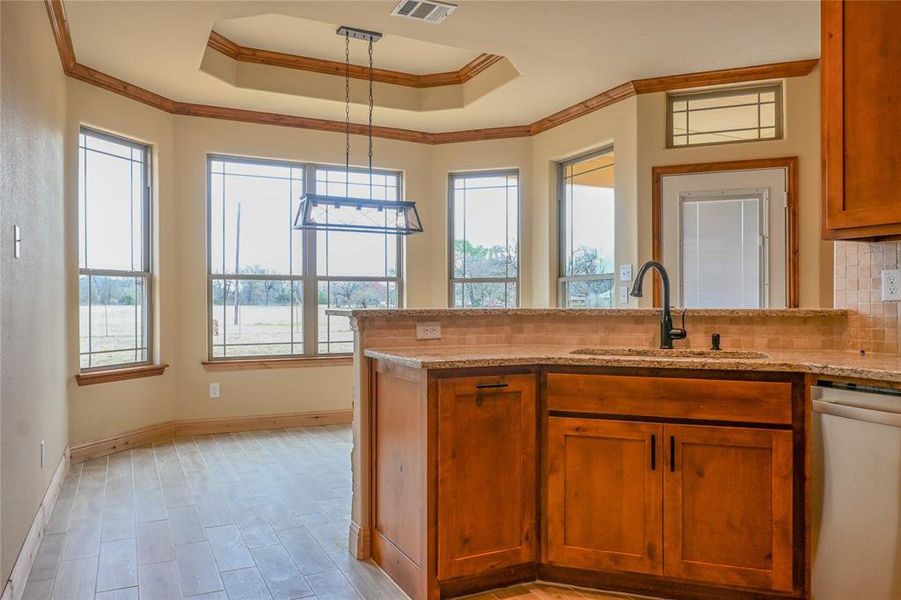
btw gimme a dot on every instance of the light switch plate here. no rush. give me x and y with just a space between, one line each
215 390
623 294
891 285
430 330
625 272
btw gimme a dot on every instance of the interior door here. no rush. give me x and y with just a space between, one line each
486 474
604 491
728 505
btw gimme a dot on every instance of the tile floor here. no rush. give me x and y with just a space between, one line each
224 517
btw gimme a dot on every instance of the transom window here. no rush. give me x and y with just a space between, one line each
484 238
587 231
724 116
270 286
114 263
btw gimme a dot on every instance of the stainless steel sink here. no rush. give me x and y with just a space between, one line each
674 353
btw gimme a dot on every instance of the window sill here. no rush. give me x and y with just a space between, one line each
108 375
247 364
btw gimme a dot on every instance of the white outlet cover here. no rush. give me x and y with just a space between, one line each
891 285
625 272
430 330
215 390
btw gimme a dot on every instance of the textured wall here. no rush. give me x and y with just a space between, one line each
33 290
858 286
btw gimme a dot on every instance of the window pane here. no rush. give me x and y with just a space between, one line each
716 117
112 320
721 253
111 199
485 233
256 317
588 229
251 218
590 293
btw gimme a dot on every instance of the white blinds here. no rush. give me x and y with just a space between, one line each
721 252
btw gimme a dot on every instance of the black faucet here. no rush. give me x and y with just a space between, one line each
667 332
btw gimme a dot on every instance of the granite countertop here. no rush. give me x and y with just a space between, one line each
835 363
435 313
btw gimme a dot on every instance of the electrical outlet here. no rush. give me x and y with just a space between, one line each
215 391
891 285
43 452
623 294
625 272
428 331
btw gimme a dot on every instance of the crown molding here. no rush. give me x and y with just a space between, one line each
235 51
76 70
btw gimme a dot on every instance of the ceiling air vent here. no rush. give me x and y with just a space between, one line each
431 12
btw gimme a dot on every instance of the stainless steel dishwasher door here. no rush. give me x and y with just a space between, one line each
856 481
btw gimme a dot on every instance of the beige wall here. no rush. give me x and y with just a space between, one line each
614 125
33 289
634 127
802 139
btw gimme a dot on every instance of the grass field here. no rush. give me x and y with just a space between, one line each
260 331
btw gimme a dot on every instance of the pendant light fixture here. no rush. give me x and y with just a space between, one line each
343 213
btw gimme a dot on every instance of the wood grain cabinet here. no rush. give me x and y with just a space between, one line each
486 474
861 51
727 506
604 494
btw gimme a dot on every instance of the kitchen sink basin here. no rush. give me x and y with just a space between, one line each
673 353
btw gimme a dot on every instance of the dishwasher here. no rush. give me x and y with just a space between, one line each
856 485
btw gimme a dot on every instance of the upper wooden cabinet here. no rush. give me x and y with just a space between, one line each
486 474
861 95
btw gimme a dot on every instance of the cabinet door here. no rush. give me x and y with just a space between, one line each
604 494
486 473
861 121
728 506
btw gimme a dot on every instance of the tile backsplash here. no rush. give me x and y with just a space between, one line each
873 326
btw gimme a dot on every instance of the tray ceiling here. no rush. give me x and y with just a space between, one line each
564 52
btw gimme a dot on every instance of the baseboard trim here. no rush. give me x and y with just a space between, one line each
360 541
14 587
168 430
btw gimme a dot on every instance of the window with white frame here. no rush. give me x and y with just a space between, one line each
270 286
587 231
114 251
723 116
484 239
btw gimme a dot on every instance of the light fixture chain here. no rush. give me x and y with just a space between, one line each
370 119
346 114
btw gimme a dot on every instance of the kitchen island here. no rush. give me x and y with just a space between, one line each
490 456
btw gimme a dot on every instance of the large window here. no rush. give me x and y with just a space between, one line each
484 238
270 286
723 116
587 231
113 251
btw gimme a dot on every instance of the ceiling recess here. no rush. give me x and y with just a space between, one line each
422 10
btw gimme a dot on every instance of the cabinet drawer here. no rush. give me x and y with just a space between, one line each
671 397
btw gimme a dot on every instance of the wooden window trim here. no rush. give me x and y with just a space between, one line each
120 374
252 364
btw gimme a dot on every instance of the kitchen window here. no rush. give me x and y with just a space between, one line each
587 231
270 286
484 239
114 252
724 116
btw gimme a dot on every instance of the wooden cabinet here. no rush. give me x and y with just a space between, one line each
487 466
727 508
604 494
861 51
